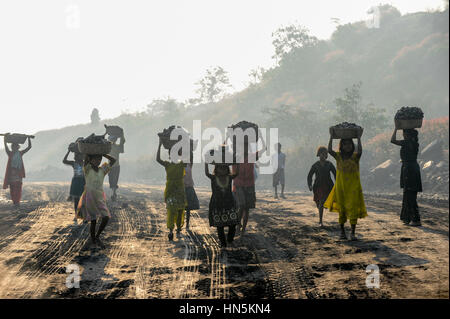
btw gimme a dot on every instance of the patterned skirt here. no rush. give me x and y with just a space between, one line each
92 205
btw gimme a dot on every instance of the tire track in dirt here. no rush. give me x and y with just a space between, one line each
37 251
216 258
150 233
285 278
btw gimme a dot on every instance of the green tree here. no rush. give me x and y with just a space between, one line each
256 75
295 122
214 85
349 108
165 106
289 38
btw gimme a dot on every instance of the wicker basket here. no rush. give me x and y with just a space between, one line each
114 130
408 124
94 149
166 141
16 138
244 125
344 133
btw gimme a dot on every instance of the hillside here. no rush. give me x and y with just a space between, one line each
404 62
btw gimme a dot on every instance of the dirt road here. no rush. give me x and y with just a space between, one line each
284 255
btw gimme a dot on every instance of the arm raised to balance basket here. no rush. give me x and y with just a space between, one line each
111 159
8 151
66 161
330 144
359 147
394 138
158 155
28 147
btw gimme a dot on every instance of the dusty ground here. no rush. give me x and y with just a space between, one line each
284 255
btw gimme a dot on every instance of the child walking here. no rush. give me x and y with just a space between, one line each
222 202
346 197
92 205
191 195
78 181
174 193
322 181
15 170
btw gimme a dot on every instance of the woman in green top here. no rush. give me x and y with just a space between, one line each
174 194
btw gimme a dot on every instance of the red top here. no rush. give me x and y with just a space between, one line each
8 172
246 177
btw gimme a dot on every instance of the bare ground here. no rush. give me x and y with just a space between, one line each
284 255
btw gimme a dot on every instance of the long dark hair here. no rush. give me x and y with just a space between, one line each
341 142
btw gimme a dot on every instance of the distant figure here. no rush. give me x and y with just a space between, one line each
346 197
278 176
222 201
116 150
322 181
245 194
15 170
174 193
410 179
92 205
78 181
191 195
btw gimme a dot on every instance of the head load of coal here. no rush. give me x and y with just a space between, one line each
347 125
409 113
94 139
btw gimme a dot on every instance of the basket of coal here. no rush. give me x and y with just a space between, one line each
345 130
94 145
73 147
408 118
249 129
114 130
16 138
179 133
219 155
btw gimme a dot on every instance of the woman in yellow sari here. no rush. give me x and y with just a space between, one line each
346 197
174 193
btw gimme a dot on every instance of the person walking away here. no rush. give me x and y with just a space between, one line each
15 170
346 197
116 150
278 176
410 179
321 170
92 205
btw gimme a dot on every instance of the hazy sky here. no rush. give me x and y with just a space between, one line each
61 58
